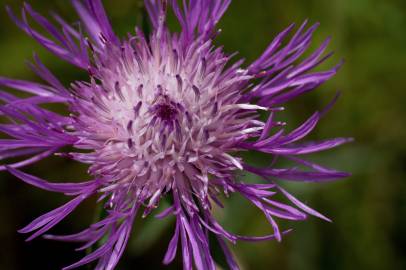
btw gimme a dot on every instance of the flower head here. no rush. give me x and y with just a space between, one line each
164 115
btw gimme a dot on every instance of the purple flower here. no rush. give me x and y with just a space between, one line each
164 115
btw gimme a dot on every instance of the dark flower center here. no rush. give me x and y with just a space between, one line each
165 111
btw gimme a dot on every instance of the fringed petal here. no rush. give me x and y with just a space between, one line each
95 19
281 79
64 47
110 252
49 220
199 17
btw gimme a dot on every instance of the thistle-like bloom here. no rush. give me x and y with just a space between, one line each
164 115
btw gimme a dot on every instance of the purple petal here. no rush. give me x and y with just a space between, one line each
309 148
67 188
227 252
49 220
172 248
29 161
303 206
29 87
94 17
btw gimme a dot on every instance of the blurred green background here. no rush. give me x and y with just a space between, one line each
368 209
